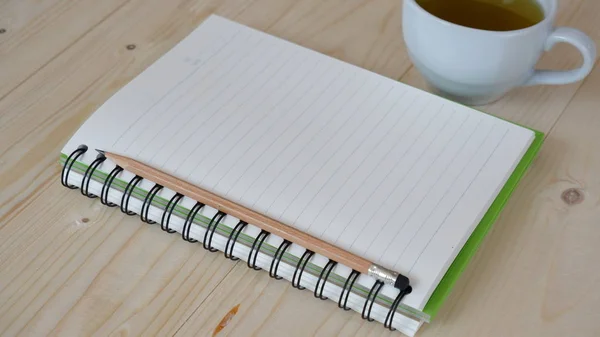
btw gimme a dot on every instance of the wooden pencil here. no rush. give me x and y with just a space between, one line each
270 225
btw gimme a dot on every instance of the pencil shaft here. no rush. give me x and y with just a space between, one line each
270 225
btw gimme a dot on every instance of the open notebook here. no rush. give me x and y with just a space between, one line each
389 172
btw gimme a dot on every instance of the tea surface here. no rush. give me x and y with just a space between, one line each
499 15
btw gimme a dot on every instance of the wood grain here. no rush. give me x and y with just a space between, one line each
89 269
34 25
70 266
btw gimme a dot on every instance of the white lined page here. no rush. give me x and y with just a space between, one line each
379 168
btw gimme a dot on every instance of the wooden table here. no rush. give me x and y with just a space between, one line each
72 267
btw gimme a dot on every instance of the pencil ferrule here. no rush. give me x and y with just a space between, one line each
382 274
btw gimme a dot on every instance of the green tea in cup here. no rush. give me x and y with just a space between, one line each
498 15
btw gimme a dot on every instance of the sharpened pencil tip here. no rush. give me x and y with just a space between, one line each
100 151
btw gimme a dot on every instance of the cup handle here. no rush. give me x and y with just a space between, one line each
579 40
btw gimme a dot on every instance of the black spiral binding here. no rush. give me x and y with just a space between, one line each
347 289
389 318
325 272
64 174
147 202
374 291
207 242
164 225
308 254
233 236
260 239
277 258
87 176
106 186
127 194
187 225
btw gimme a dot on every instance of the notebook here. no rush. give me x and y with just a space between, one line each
386 171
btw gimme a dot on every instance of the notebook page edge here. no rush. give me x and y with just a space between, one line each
472 244
434 283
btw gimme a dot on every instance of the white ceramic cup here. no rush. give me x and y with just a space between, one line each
474 66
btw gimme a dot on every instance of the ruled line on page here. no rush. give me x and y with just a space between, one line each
228 161
276 135
226 130
278 111
348 236
326 205
388 239
294 167
169 92
182 108
359 207
195 116
190 120
320 203
366 243
295 147
390 248
382 235
282 212
401 181
322 229
206 140
283 197
288 164
461 196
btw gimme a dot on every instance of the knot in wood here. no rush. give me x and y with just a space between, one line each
572 196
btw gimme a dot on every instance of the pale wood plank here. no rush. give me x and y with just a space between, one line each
89 269
273 308
37 31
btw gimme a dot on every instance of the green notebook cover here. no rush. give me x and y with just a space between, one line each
470 248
